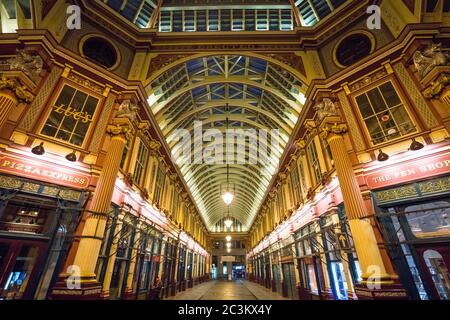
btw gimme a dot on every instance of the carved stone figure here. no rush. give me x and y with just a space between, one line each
326 108
127 110
429 58
29 64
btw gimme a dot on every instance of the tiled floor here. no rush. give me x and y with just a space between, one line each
227 290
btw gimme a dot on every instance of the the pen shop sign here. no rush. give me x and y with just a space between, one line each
411 171
43 172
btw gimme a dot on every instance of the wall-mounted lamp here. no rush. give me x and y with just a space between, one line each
228 245
416 145
228 238
72 157
382 156
39 149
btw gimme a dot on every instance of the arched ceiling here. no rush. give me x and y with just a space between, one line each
255 96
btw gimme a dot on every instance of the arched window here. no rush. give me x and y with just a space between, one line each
100 51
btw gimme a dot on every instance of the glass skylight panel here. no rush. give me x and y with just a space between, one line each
189 20
138 12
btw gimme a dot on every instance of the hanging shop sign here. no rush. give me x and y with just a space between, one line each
411 171
42 172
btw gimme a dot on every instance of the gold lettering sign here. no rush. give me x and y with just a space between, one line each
71 112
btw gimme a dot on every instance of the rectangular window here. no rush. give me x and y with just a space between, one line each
296 187
384 114
189 20
141 163
314 161
160 177
71 116
213 20
238 22
262 19
124 155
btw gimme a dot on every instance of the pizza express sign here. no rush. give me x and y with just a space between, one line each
34 170
404 173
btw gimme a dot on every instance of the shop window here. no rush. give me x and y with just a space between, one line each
429 220
100 51
353 49
439 272
26 216
71 116
384 114
20 274
141 163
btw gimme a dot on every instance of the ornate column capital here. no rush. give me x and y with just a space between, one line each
437 87
21 93
300 144
329 129
120 127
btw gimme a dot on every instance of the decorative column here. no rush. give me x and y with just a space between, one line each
375 281
83 284
11 94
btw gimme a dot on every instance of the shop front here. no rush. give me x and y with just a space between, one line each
276 269
412 202
38 219
289 283
417 233
342 266
181 274
308 263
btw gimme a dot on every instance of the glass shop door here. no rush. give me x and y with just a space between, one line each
436 261
18 268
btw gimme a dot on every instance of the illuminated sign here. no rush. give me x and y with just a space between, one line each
36 170
404 173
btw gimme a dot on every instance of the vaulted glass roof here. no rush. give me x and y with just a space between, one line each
224 15
255 96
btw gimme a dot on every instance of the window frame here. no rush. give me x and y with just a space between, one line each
409 108
49 108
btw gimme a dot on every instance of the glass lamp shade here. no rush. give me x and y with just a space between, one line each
228 238
228 223
227 197
228 250
228 245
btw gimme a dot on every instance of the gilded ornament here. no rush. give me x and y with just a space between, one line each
437 86
428 59
335 129
118 129
28 63
127 110
21 92
326 108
